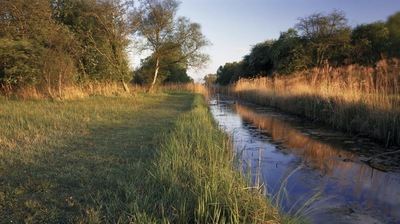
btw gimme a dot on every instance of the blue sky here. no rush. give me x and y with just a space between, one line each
233 26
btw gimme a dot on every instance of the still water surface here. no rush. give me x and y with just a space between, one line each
308 161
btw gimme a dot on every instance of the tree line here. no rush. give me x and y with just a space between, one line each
51 44
317 40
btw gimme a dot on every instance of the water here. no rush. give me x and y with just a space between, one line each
298 162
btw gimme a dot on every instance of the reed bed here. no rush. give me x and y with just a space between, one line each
186 87
69 92
111 88
357 99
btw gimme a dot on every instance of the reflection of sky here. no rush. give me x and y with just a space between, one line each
228 120
349 183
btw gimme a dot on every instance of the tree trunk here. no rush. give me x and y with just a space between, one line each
126 88
60 84
150 90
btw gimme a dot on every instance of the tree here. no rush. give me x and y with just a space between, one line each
259 61
393 24
288 53
49 44
102 29
21 64
169 71
369 42
229 73
210 79
328 36
177 74
34 47
163 35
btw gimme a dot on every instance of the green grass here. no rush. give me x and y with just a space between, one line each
141 159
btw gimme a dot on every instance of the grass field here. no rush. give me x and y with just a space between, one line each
139 159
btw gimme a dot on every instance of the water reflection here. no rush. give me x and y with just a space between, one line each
271 146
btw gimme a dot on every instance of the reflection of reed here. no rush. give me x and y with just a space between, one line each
378 187
324 157
358 99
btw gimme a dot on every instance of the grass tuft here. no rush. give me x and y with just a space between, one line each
195 178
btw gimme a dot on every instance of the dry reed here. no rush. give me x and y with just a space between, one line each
357 99
67 92
110 88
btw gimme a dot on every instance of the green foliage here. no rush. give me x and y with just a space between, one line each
171 40
48 45
32 46
177 74
259 61
144 74
210 79
229 73
289 54
101 30
170 71
393 24
23 20
21 63
370 41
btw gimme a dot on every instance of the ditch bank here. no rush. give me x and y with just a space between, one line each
309 170
362 101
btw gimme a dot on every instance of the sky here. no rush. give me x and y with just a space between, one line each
234 26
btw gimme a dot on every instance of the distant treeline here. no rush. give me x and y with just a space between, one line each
316 41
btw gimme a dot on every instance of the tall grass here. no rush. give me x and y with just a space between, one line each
357 99
83 90
135 159
111 88
197 180
188 87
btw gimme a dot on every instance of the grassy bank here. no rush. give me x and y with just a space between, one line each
142 159
357 99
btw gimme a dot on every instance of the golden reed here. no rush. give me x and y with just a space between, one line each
358 99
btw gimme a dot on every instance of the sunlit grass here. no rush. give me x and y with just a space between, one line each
357 99
139 159
201 170
69 161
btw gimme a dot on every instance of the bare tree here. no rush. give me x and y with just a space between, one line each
326 34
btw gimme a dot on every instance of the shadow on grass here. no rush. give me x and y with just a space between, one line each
98 177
